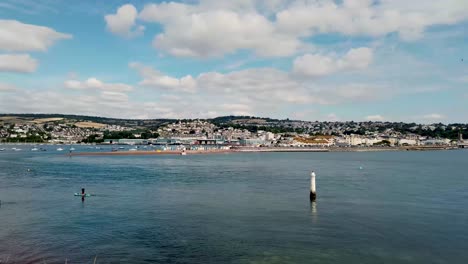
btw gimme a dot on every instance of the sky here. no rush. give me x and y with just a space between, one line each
330 60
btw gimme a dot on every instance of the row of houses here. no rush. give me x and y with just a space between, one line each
285 141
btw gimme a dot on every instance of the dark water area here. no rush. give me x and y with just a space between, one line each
372 207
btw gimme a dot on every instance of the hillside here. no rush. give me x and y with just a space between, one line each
253 124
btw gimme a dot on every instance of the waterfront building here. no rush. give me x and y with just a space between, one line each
409 142
252 142
436 141
127 141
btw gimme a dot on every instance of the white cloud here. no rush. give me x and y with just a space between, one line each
93 83
110 104
368 17
22 63
205 31
265 84
114 96
347 93
155 79
244 92
316 65
5 87
17 36
276 28
375 118
433 117
123 22
332 117
261 92
237 109
262 89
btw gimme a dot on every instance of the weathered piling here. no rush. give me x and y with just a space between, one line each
313 191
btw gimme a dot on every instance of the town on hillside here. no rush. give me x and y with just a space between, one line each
225 132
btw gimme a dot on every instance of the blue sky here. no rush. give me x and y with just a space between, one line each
301 59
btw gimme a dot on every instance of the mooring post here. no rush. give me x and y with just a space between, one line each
313 193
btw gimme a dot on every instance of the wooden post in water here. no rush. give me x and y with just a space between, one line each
313 192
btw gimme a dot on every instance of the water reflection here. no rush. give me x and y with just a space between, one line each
313 211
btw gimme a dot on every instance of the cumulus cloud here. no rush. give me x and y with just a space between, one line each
433 117
375 118
262 87
110 104
317 65
22 63
333 117
237 109
277 28
264 84
5 87
93 83
192 32
156 79
17 36
368 17
123 22
114 96
261 92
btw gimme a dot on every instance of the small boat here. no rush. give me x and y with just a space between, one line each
72 148
43 149
183 153
132 149
121 148
17 149
60 149
2 149
34 149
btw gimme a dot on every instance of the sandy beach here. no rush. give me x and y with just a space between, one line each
255 150
149 152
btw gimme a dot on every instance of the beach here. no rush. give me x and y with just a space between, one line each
257 150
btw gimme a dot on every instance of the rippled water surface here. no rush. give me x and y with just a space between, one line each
401 207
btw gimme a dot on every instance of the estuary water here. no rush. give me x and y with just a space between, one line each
372 207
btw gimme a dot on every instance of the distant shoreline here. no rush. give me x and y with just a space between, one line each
257 150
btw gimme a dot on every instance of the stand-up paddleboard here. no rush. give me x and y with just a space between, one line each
86 195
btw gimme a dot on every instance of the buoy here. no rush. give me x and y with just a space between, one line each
313 193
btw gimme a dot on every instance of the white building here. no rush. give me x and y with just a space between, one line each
269 136
410 142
